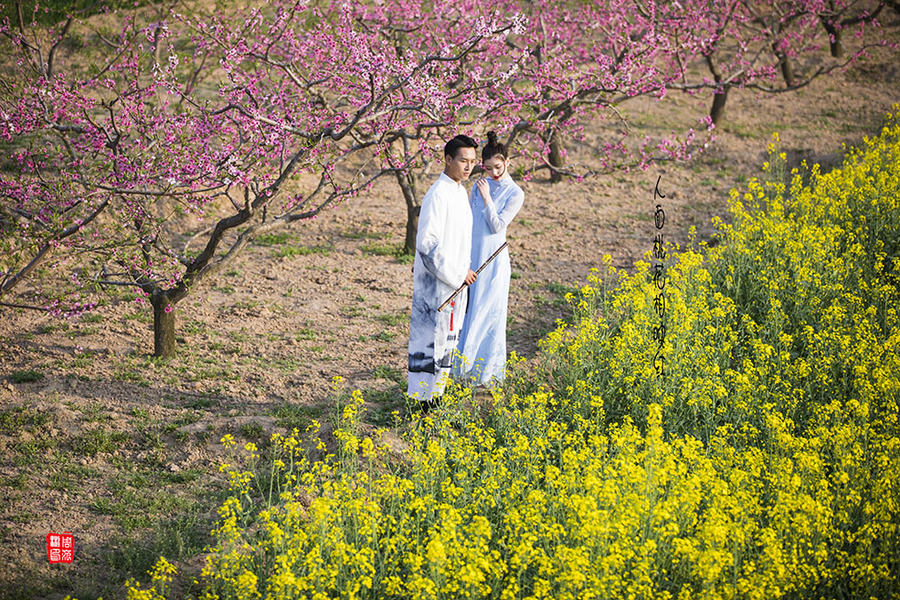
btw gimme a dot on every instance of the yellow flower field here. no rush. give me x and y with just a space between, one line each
764 462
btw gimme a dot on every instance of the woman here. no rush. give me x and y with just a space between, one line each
495 200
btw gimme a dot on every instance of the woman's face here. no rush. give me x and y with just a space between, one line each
495 166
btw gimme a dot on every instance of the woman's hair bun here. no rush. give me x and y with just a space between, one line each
493 147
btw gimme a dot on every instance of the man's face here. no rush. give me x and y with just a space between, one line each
460 166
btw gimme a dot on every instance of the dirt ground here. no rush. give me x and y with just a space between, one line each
98 439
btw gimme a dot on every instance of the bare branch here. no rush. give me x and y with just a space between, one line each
120 283
25 306
56 44
47 248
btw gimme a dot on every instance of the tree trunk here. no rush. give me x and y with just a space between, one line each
407 183
834 39
717 111
556 158
787 69
163 325
784 61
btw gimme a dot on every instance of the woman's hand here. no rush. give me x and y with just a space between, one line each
484 189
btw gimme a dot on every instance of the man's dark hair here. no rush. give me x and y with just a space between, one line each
452 147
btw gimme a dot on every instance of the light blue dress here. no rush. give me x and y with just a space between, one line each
482 340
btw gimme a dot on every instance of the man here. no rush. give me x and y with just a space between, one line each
443 247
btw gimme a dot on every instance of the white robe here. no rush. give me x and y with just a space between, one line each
443 247
482 342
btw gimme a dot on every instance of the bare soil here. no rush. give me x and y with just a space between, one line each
99 439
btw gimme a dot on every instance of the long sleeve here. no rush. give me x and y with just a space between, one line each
431 241
498 221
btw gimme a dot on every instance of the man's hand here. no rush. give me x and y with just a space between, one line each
471 277
484 189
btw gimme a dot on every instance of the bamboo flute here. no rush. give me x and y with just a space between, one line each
463 286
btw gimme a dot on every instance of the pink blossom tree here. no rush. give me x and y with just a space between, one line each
573 62
460 89
586 59
560 64
120 141
750 44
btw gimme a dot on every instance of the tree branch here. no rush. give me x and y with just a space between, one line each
48 247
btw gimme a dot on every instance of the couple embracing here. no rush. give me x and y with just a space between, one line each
457 232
